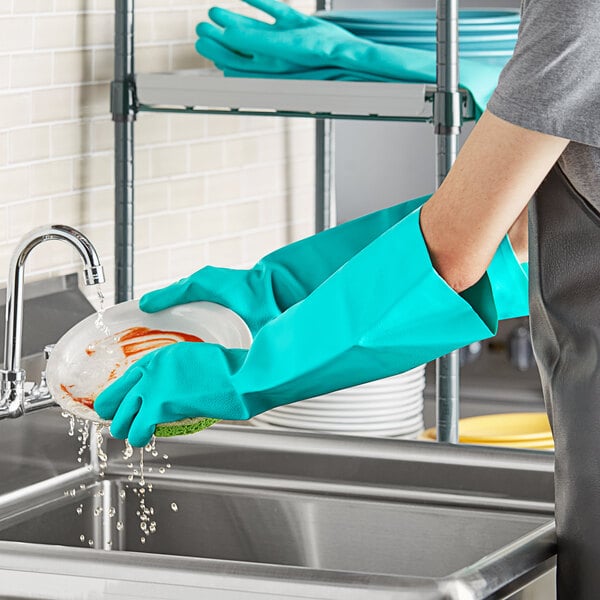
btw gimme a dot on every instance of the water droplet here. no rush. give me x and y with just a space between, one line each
97 512
112 512
143 540
122 493
165 456
82 538
174 507
168 465
90 542
119 525
79 510
72 492
130 477
109 543
99 322
154 453
161 470
128 451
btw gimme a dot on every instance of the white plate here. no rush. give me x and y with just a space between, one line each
369 399
387 387
322 425
349 416
399 392
342 413
409 376
391 432
371 422
85 360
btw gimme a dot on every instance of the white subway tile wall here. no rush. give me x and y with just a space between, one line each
209 189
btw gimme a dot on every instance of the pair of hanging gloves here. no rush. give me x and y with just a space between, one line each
298 46
352 304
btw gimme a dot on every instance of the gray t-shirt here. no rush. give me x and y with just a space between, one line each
552 84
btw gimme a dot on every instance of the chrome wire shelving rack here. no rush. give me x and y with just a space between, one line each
204 91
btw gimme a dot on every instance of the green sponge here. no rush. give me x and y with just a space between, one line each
184 427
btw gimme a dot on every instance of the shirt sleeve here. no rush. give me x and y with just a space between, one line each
552 82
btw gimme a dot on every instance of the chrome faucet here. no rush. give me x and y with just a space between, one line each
14 401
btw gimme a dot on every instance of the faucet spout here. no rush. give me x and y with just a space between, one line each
93 274
12 376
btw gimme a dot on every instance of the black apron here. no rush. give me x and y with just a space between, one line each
565 323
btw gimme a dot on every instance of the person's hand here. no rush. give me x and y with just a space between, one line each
248 293
184 380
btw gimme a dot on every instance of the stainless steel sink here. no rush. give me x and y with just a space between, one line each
264 514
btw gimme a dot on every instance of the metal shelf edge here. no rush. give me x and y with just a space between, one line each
208 91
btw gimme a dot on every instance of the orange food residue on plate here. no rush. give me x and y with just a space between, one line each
85 400
138 339
157 339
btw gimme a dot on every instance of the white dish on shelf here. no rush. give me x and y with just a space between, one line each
323 425
393 431
338 412
396 399
369 421
385 384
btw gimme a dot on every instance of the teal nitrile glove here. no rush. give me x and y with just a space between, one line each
510 282
284 277
383 312
296 42
290 274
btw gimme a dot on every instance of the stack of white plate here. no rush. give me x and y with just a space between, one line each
391 407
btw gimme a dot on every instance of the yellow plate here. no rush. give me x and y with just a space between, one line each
541 444
508 427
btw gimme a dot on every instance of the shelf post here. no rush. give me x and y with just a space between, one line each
325 216
324 156
123 108
447 122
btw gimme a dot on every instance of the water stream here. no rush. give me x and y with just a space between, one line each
92 438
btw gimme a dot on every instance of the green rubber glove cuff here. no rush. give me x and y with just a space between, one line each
510 282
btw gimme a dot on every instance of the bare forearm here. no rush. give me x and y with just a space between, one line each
496 173
518 235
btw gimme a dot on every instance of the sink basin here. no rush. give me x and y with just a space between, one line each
254 514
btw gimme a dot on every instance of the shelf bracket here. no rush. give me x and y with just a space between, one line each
447 112
123 100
